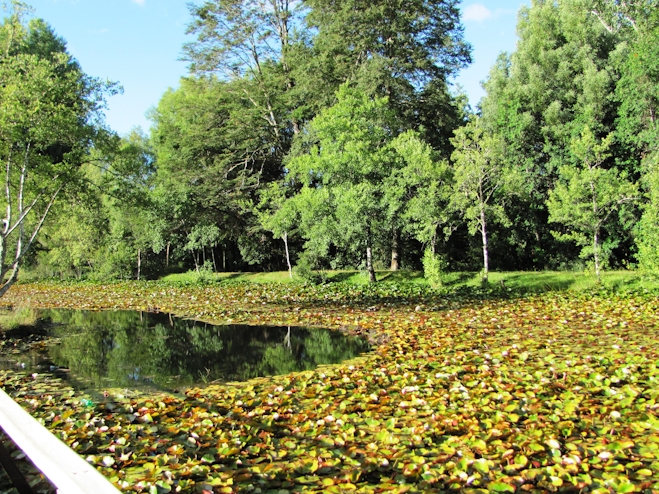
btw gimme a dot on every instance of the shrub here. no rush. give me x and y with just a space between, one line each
433 268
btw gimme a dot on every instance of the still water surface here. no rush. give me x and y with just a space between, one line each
138 350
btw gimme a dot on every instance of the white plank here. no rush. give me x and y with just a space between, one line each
67 470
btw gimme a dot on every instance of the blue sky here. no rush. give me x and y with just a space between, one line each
138 43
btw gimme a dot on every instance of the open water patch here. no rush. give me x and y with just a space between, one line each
156 351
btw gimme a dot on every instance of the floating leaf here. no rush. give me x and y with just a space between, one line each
500 487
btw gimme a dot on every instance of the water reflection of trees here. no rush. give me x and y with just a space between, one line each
131 349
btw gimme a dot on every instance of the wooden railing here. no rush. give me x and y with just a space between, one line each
65 469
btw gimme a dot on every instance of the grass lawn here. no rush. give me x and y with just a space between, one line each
528 281
465 391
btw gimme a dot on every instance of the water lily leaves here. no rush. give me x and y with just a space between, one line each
534 394
500 487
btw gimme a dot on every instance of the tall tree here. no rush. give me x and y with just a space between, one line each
213 152
638 89
404 50
345 175
482 182
647 229
638 126
561 77
252 41
49 110
587 196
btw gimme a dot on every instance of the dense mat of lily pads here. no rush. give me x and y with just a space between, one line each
542 393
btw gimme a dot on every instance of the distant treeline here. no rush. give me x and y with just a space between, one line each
327 134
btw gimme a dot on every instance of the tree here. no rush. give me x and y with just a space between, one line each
74 239
586 197
213 153
647 229
616 15
419 192
638 90
481 182
278 216
344 177
49 111
406 51
561 77
249 41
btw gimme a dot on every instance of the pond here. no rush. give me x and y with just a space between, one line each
155 351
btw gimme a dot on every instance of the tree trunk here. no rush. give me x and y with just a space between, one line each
167 256
596 233
224 258
596 254
288 256
369 258
139 263
486 260
395 254
214 263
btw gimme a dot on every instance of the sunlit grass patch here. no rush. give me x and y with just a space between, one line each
523 281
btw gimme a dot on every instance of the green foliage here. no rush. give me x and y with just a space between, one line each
406 53
326 131
418 193
342 177
638 88
433 268
647 229
561 77
49 114
587 197
304 270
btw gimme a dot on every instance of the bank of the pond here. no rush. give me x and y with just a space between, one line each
557 392
522 281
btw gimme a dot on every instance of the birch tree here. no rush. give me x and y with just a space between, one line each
481 182
48 108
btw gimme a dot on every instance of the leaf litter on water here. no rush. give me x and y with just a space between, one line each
531 394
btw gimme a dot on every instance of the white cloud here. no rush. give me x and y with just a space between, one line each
476 12
140 2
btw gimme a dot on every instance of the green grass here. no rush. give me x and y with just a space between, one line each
525 281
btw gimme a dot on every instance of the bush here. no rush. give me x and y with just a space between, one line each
303 270
433 268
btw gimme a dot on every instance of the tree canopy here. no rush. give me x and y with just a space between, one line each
49 120
328 134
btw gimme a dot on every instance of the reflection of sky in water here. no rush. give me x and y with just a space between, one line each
143 350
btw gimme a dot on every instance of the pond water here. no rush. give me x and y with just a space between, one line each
138 350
